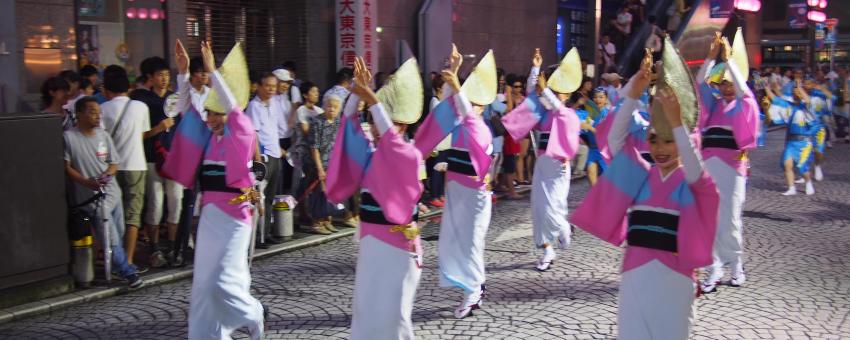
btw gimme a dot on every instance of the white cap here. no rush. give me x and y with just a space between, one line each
282 75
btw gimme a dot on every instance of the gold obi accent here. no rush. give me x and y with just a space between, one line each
743 156
409 230
238 199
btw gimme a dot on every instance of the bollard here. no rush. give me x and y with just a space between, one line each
283 218
82 267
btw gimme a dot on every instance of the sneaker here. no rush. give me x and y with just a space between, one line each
330 227
818 173
800 181
738 280
436 203
140 269
320 229
157 259
810 188
791 192
134 281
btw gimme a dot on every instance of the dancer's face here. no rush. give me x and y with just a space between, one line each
664 152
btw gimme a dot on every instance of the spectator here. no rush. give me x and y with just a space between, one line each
289 98
636 8
293 72
128 135
343 82
73 79
612 90
675 13
197 84
161 194
323 130
525 147
54 94
91 160
86 88
301 150
437 179
510 148
265 112
89 72
609 53
623 26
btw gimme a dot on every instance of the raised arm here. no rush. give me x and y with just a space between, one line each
691 161
536 62
181 58
226 98
362 79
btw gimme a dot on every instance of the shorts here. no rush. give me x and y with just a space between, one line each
820 140
595 156
800 152
156 188
132 185
509 163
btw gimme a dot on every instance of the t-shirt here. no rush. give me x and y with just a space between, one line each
305 113
286 102
128 135
91 156
156 112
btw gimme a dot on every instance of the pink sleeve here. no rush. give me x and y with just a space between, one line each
524 117
240 140
348 160
440 122
746 124
563 140
698 223
187 149
394 177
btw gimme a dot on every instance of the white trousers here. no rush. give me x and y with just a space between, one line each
160 190
549 191
655 303
466 217
384 290
729 239
221 300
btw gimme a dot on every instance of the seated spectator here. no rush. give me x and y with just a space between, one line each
91 161
54 94
323 130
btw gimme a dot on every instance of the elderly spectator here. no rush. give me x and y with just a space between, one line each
323 130
265 112
127 122
91 160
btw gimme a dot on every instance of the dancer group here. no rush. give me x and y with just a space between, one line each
669 177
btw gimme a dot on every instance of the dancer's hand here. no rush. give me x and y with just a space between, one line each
537 59
715 47
362 82
640 81
727 49
181 57
670 105
455 59
541 82
209 58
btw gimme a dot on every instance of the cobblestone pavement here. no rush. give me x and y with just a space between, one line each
796 256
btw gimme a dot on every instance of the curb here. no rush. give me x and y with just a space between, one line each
172 275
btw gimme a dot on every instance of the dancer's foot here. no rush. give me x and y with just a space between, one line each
818 173
546 261
810 188
800 181
738 279
471 301
791 192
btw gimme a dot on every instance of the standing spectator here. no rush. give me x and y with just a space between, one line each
293 72
91 160
87 88
612 90
301 150
518 96
54 94
675 13
623 26
289 98
127 122
73 79
161 193
343 83
636 8
89 72
323 130
437 179
265 112
608 52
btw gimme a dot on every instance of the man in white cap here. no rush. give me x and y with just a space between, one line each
288 98
614 81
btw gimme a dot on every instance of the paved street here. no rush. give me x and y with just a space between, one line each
796 258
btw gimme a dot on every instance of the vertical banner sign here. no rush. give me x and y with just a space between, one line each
820 34
831 31
720 8
355 33
797 11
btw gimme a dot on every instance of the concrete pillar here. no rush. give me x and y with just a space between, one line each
9 58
